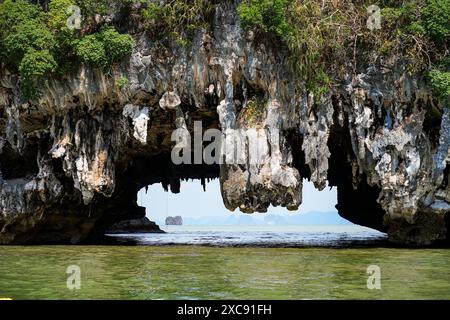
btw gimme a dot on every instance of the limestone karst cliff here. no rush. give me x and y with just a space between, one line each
73 159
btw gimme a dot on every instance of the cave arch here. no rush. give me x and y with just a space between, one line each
69 220
73 160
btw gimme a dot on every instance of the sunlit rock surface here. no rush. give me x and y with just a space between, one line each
72 162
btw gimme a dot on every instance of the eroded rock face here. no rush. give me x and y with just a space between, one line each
72 162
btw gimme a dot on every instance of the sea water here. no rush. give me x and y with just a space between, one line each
228 263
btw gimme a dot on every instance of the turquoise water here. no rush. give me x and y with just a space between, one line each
205 272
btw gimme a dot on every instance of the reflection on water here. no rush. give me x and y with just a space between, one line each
193 272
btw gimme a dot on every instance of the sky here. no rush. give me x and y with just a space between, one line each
193 202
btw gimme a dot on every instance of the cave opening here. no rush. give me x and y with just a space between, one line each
192 195
199 202
195 214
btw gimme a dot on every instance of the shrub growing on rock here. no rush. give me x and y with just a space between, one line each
103 48
27 36
266 15
116 45
33 67
91 49
440 82
37 64
436 19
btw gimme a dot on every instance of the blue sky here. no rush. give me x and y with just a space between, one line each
193 202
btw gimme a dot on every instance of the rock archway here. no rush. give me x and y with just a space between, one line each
72 162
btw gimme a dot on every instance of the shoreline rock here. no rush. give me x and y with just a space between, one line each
143 225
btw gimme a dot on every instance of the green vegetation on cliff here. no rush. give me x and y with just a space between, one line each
175 18
104 47
325 39
440 82
267 15
38 42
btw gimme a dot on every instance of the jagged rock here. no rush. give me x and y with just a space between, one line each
170 100
72 162
140 119
315 126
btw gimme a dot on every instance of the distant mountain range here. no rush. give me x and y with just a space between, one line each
305 219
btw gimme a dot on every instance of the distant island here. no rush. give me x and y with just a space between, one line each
311 218
174 221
